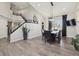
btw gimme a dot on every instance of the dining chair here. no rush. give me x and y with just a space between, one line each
46 35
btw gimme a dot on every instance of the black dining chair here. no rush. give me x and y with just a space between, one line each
53 36
58 36
46 36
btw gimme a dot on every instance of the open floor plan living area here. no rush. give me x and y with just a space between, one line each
39 28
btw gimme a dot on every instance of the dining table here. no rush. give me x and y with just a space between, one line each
56 34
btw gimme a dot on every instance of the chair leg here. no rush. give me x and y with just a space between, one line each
42 37
59 39
45 41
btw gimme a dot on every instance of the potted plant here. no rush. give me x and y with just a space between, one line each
25 32
75 42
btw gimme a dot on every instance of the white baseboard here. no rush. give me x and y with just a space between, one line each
3 37
34 36
70 36
15 40
11 41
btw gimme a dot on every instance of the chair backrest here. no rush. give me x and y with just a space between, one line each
47 34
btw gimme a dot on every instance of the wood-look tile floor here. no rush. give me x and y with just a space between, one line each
37 47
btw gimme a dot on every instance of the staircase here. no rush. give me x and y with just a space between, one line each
12 30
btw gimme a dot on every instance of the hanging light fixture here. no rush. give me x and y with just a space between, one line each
51 18
51 13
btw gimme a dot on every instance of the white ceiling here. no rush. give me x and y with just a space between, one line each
46 9
20 5
59 8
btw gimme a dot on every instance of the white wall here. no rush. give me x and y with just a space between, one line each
77 27
71 30
35 30
4 12
3 28
17 35
77 20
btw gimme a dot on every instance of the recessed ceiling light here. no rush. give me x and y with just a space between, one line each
64 9
38 4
